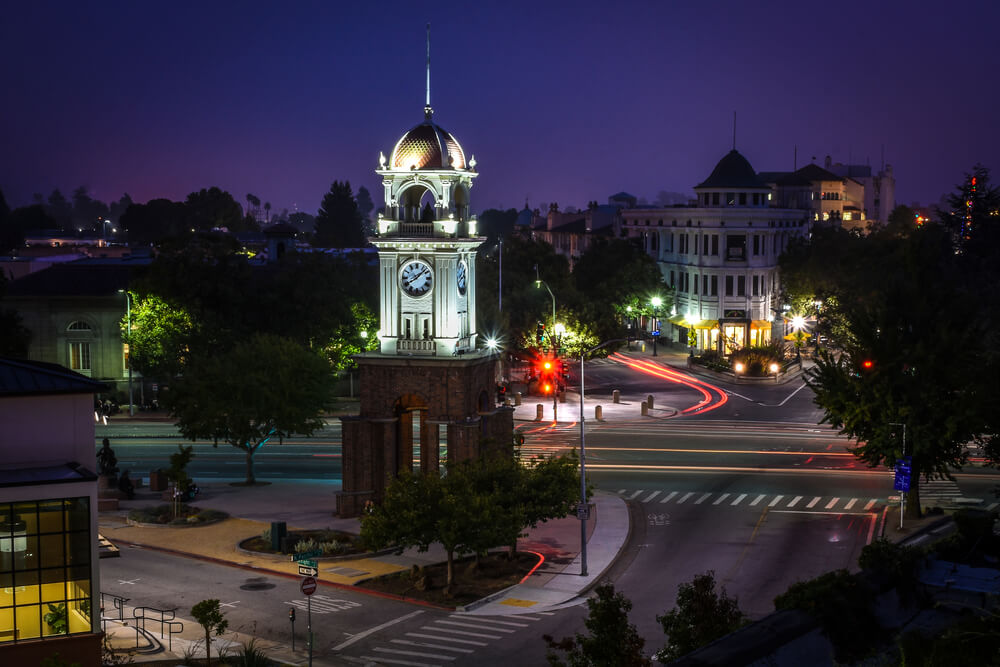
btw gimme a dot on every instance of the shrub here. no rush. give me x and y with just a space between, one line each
305 545
843 604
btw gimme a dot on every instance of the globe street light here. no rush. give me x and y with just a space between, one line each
656 301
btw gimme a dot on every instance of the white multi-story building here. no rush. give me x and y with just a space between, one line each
721 257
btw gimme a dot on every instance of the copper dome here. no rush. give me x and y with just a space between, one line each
427 146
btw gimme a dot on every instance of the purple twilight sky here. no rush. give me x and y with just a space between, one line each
559 101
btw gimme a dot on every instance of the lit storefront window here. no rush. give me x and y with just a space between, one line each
45 586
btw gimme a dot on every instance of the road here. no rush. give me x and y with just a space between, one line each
752 490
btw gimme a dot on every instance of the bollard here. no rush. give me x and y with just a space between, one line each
645 409
649 401
278 532
616 396
506 401
517 398
539 412
598 413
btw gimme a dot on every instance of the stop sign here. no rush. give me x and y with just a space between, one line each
308 585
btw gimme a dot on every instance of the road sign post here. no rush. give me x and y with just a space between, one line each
308 587
904 468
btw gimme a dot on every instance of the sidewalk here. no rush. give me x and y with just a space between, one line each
309 506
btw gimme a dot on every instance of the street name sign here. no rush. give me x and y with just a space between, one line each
305 555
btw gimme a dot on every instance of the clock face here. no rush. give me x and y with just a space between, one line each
416 278
462 277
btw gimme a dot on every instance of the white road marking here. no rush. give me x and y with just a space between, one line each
229 604
388 661
777 499
446 639
795 501
651 496
365 633
721 498
473 625
850 503
128 582
686 496
739 499
490 619
870 504
833 502
704 497
812 503
406 642
757 500
666 499
460 632
633 496
414 654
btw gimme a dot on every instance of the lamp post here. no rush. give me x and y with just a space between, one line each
128 328
656 301
902 494
582 512
798 324
539 283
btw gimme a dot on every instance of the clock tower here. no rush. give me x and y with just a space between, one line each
428 388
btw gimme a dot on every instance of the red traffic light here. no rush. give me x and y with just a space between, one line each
867 364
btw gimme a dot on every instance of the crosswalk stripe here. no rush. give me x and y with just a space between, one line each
633 496
739 499
413 654
850 503
757 500
621 492
651 496
777 499
870 504
460 632
991 507
388 661
721 498
478 627
490 619
833 502
704 497
812 503
406 642
666 499
795 501
686 496
446 639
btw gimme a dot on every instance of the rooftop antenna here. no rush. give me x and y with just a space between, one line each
734 130
795 158
428 111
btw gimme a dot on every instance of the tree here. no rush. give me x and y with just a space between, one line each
260 389
365 208
612 642
701 616
972 212
60 209
338 222
209 616
21 220
883 299
160 338
214 208
155 221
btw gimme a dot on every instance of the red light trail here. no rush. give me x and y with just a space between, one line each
707 402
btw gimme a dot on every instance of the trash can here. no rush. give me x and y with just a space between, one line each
157 480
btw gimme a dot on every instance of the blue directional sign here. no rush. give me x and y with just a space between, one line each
654 333
903 467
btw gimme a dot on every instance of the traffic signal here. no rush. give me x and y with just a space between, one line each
539 333
867 364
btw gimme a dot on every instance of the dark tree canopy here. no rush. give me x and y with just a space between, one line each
339 222
214 208
612 640
701 616
21 220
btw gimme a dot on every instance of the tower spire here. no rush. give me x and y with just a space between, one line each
734 130
428 111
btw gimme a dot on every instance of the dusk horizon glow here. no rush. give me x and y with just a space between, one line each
558 102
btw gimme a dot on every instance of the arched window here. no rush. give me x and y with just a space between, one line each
78 325
79 350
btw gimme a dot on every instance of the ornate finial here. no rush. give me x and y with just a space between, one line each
381 159
472 162
428 111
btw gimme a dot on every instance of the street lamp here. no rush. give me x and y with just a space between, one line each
539 283
656 301
798 324
582 511
128 327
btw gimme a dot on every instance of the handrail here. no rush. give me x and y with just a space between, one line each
139 614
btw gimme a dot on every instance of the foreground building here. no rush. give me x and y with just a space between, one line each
49 577
721 257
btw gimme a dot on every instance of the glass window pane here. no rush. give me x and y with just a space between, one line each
77 548
79 616
78 517
28 621
52 551
6 625
50 516
26 587
55 619
28 558
53 588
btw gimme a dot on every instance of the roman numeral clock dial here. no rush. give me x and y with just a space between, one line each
416 279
